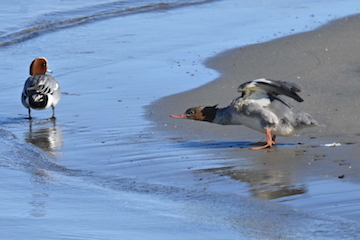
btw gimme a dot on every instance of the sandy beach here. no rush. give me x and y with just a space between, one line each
325 62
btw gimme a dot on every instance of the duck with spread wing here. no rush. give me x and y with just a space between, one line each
259 107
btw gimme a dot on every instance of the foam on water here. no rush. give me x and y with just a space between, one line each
66 14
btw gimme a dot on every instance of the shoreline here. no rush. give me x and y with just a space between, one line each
325 63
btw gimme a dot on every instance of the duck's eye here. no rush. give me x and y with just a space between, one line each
192 112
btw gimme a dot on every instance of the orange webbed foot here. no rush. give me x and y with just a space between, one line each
270 141
268 145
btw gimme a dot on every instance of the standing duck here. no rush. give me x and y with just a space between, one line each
41 90
259 107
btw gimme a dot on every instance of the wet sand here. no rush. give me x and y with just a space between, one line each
301 170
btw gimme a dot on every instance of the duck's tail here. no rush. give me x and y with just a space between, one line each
305 120
38 101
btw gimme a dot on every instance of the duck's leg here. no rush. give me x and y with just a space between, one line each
273 139
269 141
53 114
29 111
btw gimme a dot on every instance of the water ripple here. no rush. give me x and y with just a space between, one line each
58 20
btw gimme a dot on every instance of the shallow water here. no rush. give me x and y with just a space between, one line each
100 171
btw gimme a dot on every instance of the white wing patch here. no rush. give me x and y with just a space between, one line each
262 80
259 97
56 87
253 85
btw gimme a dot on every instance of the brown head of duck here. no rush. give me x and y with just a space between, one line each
39 66
202 113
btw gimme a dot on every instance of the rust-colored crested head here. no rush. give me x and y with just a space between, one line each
39 66
203 113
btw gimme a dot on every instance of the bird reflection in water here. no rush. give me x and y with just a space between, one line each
45 135
269 175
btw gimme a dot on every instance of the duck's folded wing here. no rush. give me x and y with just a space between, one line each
44 84
273 87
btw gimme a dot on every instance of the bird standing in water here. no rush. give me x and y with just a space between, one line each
41 90
259 107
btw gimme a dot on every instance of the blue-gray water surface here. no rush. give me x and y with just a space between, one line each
100 171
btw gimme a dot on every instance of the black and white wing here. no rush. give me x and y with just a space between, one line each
257 89
43 84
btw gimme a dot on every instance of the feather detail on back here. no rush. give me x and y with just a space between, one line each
44 84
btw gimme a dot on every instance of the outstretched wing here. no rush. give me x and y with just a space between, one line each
272 88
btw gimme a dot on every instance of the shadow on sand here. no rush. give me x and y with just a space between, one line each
220 144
